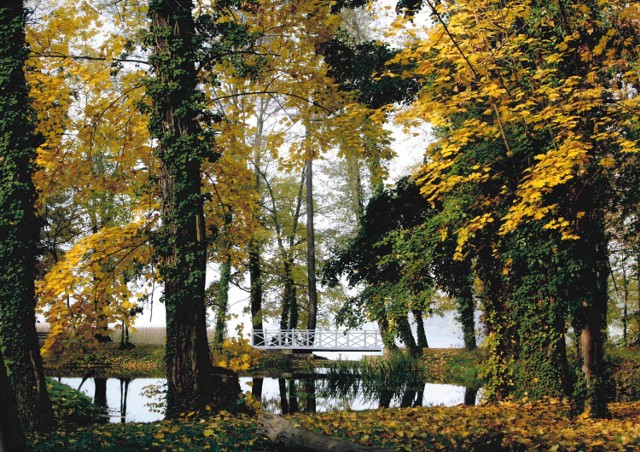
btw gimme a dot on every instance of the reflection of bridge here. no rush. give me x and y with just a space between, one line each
318 340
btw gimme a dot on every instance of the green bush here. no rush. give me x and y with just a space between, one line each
71 406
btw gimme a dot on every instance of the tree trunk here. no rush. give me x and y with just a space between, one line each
592 314
288 296
625 308
501 338
404 330
222 303
466 315
470 395
222 306
289 315
591 349
255 264
293 310
542 369
355 186
293 437
387 339
311 251
19 227
422 336
637 341
255 280
11 437
408 398
181 245
384 398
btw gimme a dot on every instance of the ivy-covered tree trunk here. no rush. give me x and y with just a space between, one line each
222 305
420 332
535 267
465 305
181 244
404 331
388 336
542 368
11 436
19 230
591 314
501 342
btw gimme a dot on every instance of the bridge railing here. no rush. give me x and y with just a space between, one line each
347 340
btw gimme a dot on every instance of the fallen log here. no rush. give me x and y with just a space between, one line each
291 436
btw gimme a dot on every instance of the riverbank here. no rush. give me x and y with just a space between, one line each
510 426
142 360
445 365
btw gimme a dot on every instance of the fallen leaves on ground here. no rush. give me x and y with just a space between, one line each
506 426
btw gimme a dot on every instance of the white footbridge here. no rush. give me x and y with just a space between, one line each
318 340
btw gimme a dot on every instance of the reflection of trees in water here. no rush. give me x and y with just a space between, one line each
470 395
124 392
383 387
256 388
294 396
284 402
100 398
339 392
309 391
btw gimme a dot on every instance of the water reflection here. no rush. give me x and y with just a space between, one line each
317 394
124 393
126 400
100 398
121 399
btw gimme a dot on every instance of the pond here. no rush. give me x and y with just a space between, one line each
139 400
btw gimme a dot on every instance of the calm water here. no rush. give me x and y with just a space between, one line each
129 400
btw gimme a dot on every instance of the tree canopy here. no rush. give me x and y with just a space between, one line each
144 144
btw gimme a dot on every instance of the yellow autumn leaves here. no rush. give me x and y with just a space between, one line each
86 73
498 71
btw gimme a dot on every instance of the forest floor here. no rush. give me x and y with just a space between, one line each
508 426
544 425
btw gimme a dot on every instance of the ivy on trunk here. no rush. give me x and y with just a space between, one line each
181 245
19 229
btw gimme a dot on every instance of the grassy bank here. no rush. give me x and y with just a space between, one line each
143 360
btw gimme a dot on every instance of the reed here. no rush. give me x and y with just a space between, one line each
388 377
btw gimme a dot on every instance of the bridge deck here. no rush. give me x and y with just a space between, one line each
318 340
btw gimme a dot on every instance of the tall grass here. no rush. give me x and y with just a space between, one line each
149 335
394 376
146 335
